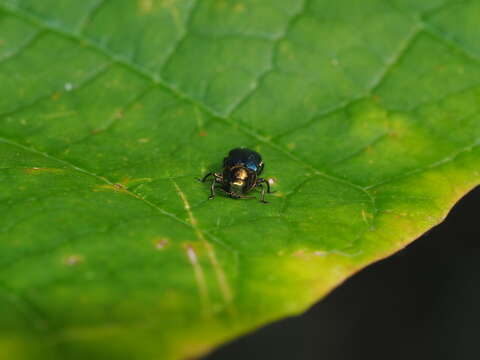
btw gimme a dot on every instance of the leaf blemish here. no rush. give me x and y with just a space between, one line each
39 170
199 277
220 274
115 187
145 6
126 181
299 253
306 254
73 260
160 244
239 8
364 216
118 114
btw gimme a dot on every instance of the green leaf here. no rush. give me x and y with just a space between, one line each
366 114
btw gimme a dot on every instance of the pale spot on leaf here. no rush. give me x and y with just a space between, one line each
161 243
73 260
145 6
239 8
42 170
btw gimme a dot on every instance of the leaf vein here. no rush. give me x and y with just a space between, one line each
22 47
147 74
98 177
276 43
90 15
222 279
431 166
89 79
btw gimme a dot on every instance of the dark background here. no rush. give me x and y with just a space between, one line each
422 303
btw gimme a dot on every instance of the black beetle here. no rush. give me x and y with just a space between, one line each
241 170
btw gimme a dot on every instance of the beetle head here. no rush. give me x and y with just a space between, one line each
239 180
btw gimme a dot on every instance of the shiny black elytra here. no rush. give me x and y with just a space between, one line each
241 170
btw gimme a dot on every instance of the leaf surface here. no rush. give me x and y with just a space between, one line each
366 114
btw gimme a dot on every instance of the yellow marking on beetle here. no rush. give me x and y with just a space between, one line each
42 170
199 278
241 174
238 182
220 274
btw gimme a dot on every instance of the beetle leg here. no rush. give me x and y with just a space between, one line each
262 180
212 189
262 194
206 177
216 179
